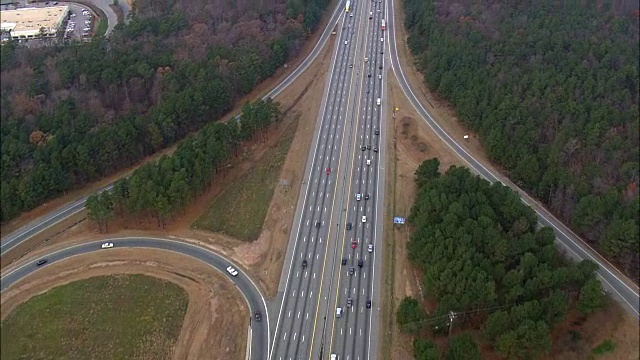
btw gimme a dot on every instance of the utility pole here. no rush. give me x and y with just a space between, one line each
452 316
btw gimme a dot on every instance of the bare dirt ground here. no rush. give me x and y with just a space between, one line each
211 296
414 142
256 93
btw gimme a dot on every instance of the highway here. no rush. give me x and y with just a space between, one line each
614 282
256 302
311 287
58 215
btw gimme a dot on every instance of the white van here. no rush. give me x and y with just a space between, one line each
338 312
378 102
366 59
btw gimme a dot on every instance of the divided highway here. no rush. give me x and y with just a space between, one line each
344 161
256 302
613 280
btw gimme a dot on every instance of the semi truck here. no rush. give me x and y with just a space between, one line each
382 24
348 6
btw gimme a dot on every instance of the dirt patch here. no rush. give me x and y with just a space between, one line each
410 142
211 296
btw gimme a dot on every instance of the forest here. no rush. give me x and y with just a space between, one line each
164 188
551 89
486 264
73 114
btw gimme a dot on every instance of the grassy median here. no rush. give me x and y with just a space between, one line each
239 211
105 317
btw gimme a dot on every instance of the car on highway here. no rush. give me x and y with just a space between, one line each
318 223
380 67
354 244
344 261
368 147
378 102
366 197
334 357
375 149
346 42
360 263
349 225
257 315
368 161
232 271
328 170
381 39
370 247
368 304
368 91
351 15
41 262
379 77
107 245
358 196
377 132
304 263
338 312
352 270
364 217
349 302
363 148
350 66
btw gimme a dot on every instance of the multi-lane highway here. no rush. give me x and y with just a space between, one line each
256 302
616 283
329 252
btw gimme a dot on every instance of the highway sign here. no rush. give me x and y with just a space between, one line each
398 220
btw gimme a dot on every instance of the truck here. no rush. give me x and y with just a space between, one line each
382 24
348 6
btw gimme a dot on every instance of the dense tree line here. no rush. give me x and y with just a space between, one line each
551 87
484 259
164 188
74 114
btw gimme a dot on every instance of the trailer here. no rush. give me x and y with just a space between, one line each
348 6
382 24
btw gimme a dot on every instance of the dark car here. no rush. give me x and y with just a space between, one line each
375 149
381 52
41 262
364 148
318 224
368 147
377 132
349 302
304 263
366 197
368 304
368 91
349 226
368 75
360 263
380 67
344 261
352 270
258 316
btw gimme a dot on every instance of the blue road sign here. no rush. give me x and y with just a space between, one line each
398 220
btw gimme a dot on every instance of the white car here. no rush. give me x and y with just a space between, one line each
358 196
364 219
370 247
368 162
334 357
380 76
381 39
232 271
107 245
346 42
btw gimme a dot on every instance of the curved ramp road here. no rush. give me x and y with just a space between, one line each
33 228
259 330
613 280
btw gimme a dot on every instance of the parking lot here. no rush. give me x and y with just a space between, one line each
80 24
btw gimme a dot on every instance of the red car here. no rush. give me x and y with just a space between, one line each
328 171
354 244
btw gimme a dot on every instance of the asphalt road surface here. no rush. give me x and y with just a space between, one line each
614 282
38 225
337 168
259 330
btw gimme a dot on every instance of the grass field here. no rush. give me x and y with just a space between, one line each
105 317
239 211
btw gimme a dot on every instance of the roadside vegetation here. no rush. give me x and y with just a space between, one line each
240 210
72 115
164 188
493 276
105 317
551 87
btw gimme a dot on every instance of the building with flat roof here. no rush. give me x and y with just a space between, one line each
30 23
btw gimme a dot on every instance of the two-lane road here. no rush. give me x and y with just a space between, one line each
256 302
616 283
